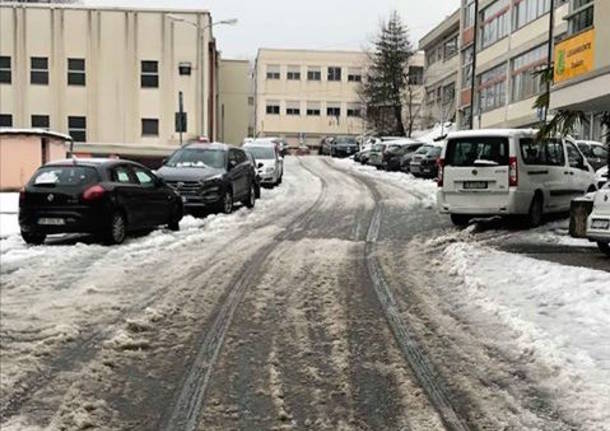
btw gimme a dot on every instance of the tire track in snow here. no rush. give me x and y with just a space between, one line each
412 352
186 410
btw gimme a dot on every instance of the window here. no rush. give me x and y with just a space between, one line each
466 151
450 47
6 120
431 57
240 156
354 75
313 109
525 83
76 71
549 153
250 101
416 75
333 110
144 178
581 16
77 128
5 69
495 22
273 108
354 110
40 121
334 74
39 70
150 127
273 71
469 14
467 60
150 74
449 95
575 158
294 73
122 174
314 74
526 11
492 88
293 108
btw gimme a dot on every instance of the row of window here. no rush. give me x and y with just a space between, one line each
441 96
444 51
314 73
39 71
312 109
77 125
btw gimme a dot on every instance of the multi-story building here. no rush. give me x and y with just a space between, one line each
236 116
441 47
512 43
108 76
304 95
582 65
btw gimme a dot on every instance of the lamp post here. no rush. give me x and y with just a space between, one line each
202 29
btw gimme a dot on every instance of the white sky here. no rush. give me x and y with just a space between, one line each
316 24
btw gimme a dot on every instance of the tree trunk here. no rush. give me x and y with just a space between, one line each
400 128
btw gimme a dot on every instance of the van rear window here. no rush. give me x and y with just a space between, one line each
470 151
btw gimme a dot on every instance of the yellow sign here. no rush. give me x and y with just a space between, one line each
574 56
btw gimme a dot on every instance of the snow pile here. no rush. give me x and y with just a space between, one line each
428 136
422 190
9 207
559 316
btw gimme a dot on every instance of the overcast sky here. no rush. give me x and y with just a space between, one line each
317 24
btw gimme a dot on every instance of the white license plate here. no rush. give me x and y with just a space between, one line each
51 221
600 224
475 185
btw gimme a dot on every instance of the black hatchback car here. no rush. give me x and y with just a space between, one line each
105 197
211 177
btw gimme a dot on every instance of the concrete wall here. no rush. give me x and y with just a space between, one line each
113 42
21 155
235 112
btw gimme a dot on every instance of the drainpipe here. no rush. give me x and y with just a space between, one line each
474 62
550 57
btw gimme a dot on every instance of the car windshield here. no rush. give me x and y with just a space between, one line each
424 149
379 147
599 151
477 149
345 141
434 152
70 176
197 158
261 153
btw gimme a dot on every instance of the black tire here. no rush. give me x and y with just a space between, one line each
175 217
279 181
535 213
604 247
460 220
33 238
250 201
117 230
225 206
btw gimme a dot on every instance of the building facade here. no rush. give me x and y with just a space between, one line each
110 77
236 107
582 71
512 43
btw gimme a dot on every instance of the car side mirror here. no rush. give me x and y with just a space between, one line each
260 165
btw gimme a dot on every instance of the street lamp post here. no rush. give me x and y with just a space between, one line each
202 29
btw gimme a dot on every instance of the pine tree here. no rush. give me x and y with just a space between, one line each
383 90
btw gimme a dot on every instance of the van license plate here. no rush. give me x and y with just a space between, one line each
475 185
600 224
51 221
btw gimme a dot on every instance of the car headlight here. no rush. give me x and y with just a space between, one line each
211 180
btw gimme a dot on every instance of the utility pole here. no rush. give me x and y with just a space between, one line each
473 79
550 59
181 114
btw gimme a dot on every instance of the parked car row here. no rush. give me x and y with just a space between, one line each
340 146
111 198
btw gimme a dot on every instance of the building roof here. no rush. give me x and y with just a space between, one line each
35 132
440 31
78 6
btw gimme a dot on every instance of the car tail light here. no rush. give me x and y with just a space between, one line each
513 172
441 171
94 193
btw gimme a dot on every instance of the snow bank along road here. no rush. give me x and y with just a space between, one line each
341 302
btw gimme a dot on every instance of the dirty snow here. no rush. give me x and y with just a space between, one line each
559 316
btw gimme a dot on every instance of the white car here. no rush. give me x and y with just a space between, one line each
598 224
602 176
270 165
507 172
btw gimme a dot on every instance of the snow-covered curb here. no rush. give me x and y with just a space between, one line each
559 316
9 206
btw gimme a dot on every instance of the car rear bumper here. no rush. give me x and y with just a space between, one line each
600 235
77 220
513 202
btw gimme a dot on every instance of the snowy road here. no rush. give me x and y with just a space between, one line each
343 301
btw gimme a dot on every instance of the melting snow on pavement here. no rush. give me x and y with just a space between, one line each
559 315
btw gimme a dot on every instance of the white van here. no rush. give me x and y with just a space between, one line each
507 172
